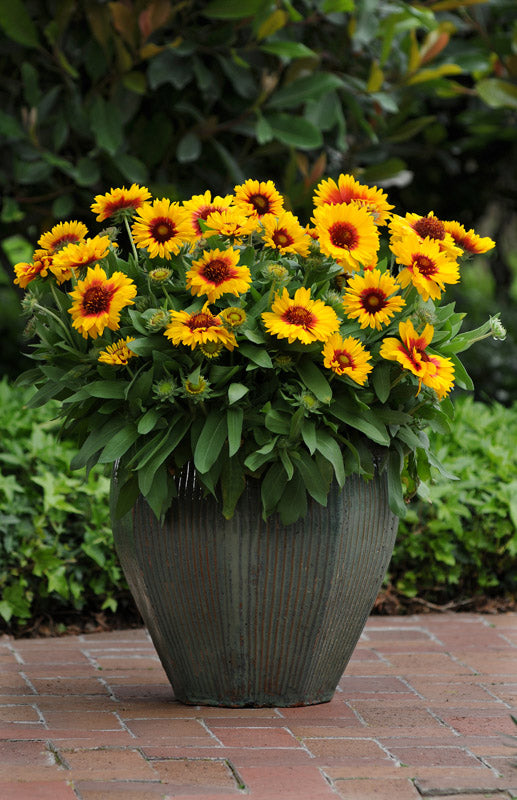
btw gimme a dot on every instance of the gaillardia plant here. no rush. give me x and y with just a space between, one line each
225 332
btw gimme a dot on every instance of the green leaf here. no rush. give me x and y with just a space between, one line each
258 355
17 24
148 421
233 484
328 447
211 439
234 418
315 483
159 455
293 502
232 9
304 89
381 381
315 380
370 426
96 440
461 376
107 389
295 131
497 93
236 391
119 444
189 148
106 125
272 486
287 49
395 495
308 432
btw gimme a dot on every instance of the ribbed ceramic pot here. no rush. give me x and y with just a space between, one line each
244 612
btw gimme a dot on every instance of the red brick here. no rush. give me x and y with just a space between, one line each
371 789
186 773
18 713
189 731
343 749
108 764
286 783
254 737
45 790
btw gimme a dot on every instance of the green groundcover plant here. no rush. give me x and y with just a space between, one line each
226 332
56 547
460 539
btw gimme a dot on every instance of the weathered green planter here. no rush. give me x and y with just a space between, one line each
252 613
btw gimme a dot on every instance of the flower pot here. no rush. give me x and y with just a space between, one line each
247 612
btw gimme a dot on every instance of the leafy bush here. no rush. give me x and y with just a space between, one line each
56 548
461 541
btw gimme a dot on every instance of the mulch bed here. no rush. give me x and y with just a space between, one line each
388 603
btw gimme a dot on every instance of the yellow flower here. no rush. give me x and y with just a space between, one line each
25 272
117 200
117 353
201 206
347 357
98 301
74 257
300 318
257 198
347 233
285 233
217 273
410 352
62 234
349 190
229 222
370 299
162 227
198 328
428 227
427 267
468 240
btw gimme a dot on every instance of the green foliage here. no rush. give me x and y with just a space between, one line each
56 548
461 539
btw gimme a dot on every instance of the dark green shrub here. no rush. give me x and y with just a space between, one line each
462 542
56 548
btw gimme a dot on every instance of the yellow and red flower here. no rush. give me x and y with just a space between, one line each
62 234
426 227
163 227
349 190
98 301
229 222
200 206
346 233
38 268
347 357
257 198
119 202
117 354
300 318
411 353
426 266
217 273
198 328
75 257
372 299
468 240
285 233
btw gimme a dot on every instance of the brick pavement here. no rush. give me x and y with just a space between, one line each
421 712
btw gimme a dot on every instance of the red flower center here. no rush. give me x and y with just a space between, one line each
201 320
203 213
112 206
298 315
373 300
282 238
343 358
430 226
96 300
260 203
425 265
217 271
344 235
162 229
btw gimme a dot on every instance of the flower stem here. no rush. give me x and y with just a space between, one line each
130 235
